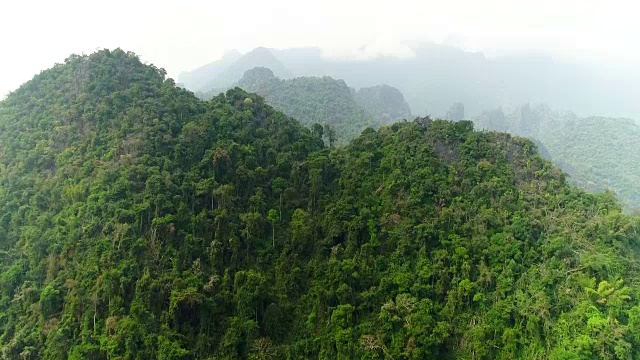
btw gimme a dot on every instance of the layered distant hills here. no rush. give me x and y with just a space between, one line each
599 153
439 75
326 101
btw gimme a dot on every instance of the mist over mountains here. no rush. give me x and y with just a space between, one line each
438 76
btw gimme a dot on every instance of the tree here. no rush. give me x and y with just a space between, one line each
273 218
318 131
331 134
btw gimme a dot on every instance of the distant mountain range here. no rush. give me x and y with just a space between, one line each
438 76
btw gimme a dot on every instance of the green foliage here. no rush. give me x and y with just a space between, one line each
139 222
130 208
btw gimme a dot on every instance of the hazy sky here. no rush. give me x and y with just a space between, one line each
181 35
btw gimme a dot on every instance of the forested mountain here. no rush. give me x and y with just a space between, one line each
326 101
438 76
385 102
598 153
140 222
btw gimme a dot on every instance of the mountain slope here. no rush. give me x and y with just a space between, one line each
468 245
139 222
385 102
599 153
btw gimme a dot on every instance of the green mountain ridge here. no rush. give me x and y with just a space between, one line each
140 222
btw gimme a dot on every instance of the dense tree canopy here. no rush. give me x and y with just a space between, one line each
139 222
